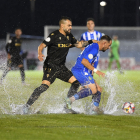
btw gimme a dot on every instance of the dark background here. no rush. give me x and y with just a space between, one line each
15 13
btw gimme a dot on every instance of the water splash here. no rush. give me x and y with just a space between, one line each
110 85
115 93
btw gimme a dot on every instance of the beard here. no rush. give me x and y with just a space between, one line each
103 50
66 31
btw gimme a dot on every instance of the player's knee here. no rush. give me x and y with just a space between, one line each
99 89
76 84
94 91
8 69
20 66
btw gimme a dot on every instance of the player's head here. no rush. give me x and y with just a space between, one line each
65 24
115 37
105 43
90 24
18 32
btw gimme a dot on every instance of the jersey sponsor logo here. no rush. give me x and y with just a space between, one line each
17 44
90 56
48 39
63 45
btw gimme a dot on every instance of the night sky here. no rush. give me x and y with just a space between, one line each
15 13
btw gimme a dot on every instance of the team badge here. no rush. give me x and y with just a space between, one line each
52 34
90 56
90 78
48 39
68 37
10 41
60 38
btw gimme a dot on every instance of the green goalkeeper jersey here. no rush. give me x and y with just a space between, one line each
115 50
115 46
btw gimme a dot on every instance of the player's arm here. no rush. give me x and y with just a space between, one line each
82 44
48 41
87 64
40 49
7 48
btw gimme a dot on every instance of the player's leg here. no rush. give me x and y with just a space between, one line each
22 73
118 64
48 78
110 63
87 91
74 86
6 70
4 74
67 76
84 78
116 57
19 63
96 99
37 92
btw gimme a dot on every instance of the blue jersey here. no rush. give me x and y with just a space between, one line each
91 53
91 35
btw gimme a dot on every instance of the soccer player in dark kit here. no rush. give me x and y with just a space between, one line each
13 49
58 42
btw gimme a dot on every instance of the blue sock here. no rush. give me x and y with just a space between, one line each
83 93
97 98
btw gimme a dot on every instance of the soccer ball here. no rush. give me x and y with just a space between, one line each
128 107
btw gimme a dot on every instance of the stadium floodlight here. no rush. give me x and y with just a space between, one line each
103 3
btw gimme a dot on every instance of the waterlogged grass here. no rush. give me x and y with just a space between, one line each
66 126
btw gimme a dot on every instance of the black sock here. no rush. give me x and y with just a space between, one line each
73 89
22 73
37 92
5 73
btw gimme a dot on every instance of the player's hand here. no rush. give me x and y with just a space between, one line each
41 57
9 56
100 73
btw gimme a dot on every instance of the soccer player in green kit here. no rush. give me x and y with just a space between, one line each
114 52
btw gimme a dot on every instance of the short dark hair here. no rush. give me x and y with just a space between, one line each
64 18
88 19
106 37
18 28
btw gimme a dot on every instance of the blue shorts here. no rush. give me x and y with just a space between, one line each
84 77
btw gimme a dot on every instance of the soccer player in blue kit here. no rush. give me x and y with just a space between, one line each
84 69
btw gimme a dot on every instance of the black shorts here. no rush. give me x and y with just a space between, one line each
51 72
14 62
